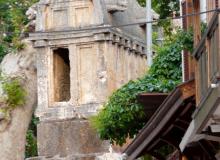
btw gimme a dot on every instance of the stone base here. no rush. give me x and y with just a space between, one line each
68 140
73 157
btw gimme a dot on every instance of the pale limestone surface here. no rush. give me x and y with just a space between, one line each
110 156
100 60
116 5
13 136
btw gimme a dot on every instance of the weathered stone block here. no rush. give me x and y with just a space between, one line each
69 137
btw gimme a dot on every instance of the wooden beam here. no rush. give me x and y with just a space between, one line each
187 89
196 22
207 150
215 128
199 137
186 109
197 38
154 143
213 146
183 121
157 156
206 110
168 130
181 127
171 142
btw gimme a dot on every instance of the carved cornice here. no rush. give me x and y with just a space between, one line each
43 39
129 43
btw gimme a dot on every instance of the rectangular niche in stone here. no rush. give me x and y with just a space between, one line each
82 16
88 60
60 18
61 75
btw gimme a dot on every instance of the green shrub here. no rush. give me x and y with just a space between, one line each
15 93
31 139
12 20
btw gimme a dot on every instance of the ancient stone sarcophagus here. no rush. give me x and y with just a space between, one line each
81 60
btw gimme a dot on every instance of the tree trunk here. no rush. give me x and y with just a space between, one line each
13 137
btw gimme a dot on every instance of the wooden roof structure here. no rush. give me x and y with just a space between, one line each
151 101
167 125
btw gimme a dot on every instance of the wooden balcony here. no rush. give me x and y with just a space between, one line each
207 60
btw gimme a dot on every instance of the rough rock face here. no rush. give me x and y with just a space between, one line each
116 5
12 139
32 12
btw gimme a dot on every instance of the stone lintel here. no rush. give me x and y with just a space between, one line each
68 111
40 43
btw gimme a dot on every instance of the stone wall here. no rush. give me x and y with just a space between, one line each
99 64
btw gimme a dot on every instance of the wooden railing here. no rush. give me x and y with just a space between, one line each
207 58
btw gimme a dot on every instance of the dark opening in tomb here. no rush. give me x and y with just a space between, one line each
61 74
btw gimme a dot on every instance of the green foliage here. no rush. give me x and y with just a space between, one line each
164 8
12 21
122 116
3 51
166 150
146 157
13 96
185 39
31 144
31 139
15 93
167 66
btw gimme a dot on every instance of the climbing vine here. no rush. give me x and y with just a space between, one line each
122 115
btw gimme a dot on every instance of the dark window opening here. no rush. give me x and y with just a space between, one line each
61 74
